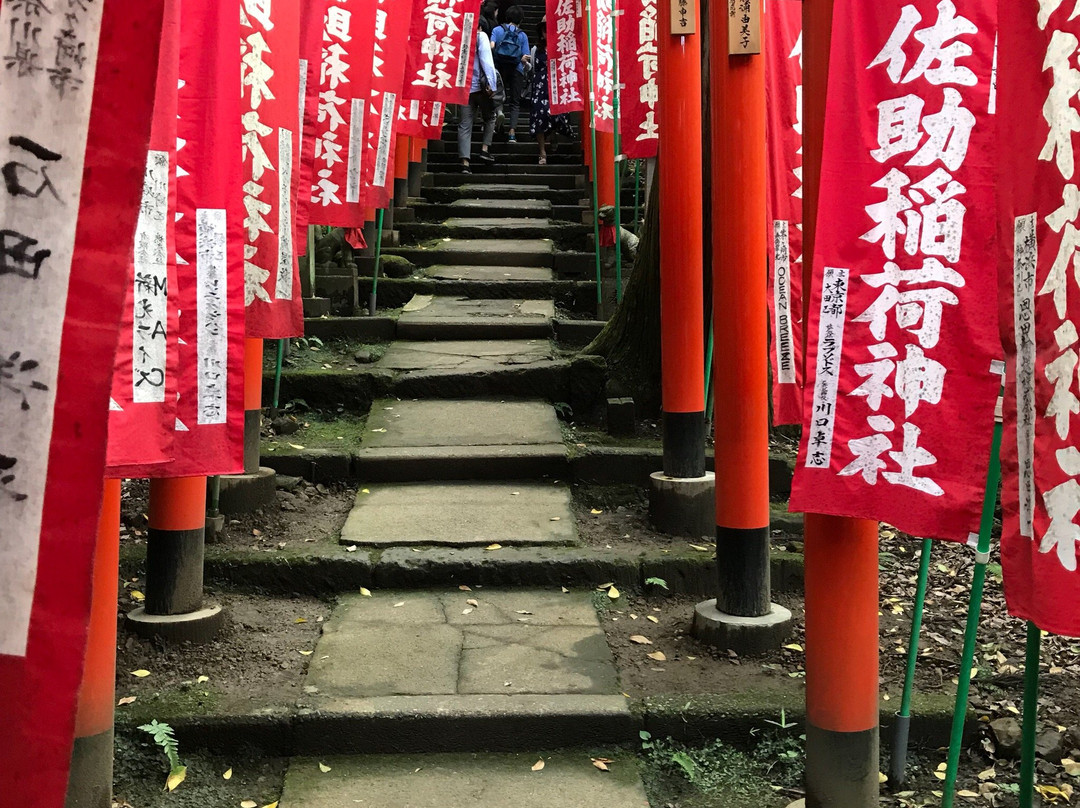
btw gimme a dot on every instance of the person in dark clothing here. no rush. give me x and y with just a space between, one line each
511 51
544 126
488 13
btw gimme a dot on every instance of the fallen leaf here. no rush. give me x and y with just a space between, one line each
300 620
881 778
492 547
365 592
595 512
249 804
142 674
324 768
970 795
176 777
794 647
605 586
202 679
538 766
467 611
365 491
351 548
296 446
306 653
473 602
565 590
613 593
701 548
640 640
125 700
271 805
522 611
658 656
137 595
399 604
464 588
601 765
555 519
651 619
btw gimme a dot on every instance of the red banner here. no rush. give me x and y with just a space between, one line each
1040 309
783 93
638 45
900 394
210 243
439 62
603 64
142 409
388 71
337 195
420 119
270 84
566 64
312 17
67 213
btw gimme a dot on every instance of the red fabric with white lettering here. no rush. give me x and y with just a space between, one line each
210 241
420 119
270 86
441 39
900 394
337 193
38 691
566 60
638 44
312 17
388 72
142 409
603 112
1040 310
783 93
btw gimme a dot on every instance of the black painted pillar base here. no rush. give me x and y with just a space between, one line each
90 781
744 585
842 768
684 444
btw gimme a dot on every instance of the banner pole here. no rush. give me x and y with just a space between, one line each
589 110
902 727
373 300
277 378
982 556
1031 715
311 259
617 136
708 374
637 196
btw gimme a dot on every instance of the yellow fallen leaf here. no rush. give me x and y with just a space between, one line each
300 620
565 590
140 673
658 656
640 640
365 592
601 765
492 547
137 595
249 804
473 602
202 679
595 512
991 773
366 491
296 446
176 777
794 647
323 768
1071 767
227 775
613 593
464 588
651 619
701 548
881 778
399 604
271 805
969 795
538 766
306 653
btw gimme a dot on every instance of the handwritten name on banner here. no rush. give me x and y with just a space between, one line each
566 62
387 75
638 30
441 41
1040 312
603 101
783 88
899 402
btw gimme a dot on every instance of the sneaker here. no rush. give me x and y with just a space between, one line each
485 157
511 138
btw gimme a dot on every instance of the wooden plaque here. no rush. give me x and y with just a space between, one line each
683 17
744 27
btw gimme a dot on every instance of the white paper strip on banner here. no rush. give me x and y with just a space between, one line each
830 347
283 289
211 270
151 280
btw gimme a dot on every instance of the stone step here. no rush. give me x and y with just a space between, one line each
484 208
564 235
482 189
522 147
461 514
481 252
459 439
565 182
436 317
503 157
427 670
568 780
461 272
500 167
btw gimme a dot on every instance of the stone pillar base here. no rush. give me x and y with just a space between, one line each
743 635
198 627
244 493
683 506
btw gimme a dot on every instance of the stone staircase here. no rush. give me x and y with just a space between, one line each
457 696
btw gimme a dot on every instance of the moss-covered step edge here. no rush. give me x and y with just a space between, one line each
733 718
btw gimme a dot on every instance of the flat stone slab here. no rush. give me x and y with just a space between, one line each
439 423
503 246
460 643
568 780
439 307
498 223
521 206
474 273
460 515
466 356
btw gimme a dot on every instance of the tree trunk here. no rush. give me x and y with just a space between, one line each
630 342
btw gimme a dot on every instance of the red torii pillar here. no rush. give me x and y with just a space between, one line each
840 554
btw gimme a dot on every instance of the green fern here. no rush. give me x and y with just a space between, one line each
165 737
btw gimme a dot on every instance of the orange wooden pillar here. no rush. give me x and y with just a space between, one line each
90 781
841 555
681 286
402 153
417 165
253 380
605 168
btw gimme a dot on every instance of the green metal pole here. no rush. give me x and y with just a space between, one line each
617 137
311 259
902 727
982 556
637 196
1031 716
378 258
277 378
708 375
595 173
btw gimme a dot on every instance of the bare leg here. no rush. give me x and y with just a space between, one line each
543 147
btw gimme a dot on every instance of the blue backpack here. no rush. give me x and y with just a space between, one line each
508 52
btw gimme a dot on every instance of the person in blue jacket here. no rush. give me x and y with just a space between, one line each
510 47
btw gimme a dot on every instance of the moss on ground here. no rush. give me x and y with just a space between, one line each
319 432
